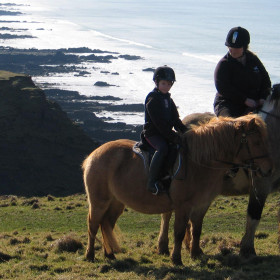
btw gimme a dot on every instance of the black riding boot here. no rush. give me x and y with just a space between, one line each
155 166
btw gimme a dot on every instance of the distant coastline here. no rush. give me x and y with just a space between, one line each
81 109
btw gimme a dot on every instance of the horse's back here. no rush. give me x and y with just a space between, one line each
105 160
195 118
107 151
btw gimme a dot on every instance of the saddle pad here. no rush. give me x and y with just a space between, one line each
145 155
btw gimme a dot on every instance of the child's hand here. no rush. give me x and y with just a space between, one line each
177 139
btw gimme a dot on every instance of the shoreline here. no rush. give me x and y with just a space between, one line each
80 109
74 62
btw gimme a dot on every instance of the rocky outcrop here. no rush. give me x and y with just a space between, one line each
83 109
41 149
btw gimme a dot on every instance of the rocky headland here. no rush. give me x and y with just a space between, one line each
41 149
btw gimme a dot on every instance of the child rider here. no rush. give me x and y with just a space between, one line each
161 116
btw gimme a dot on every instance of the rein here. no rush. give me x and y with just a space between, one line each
269 114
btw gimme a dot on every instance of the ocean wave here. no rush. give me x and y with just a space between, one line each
205 57
97 33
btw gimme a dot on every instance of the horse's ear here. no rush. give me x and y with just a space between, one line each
252 124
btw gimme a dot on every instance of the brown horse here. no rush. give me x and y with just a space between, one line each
239 185
115 176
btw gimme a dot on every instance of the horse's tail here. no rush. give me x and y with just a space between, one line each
86 166
110 242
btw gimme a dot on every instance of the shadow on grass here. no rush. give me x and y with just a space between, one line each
215 267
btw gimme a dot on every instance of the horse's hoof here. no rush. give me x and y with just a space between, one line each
197 254
177 261
164 252
90 256
247 252
110 256
163 248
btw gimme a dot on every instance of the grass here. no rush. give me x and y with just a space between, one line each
46 238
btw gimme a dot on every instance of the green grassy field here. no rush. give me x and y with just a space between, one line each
32 232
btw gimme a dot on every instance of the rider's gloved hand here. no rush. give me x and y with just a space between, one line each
251 103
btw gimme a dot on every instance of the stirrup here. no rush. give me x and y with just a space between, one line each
159 188
155 190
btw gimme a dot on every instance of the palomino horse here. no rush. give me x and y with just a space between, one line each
115 176
239 185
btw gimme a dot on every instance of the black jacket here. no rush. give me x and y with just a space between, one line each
161 116
235 82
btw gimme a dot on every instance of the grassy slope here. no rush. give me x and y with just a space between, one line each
31 228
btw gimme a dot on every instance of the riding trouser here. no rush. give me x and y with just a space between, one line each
161 147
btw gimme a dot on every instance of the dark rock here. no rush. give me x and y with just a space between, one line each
130 57
13 36
81 109
102 84
9 13
82 73
149 70
41 148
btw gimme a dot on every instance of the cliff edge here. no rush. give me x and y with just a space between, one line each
41 149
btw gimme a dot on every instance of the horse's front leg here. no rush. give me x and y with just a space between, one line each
255 207
196 220
163 239
181 220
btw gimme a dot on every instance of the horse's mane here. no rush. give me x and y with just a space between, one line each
215 139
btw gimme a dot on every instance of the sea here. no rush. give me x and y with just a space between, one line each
187 35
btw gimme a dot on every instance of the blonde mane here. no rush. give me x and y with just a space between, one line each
215 139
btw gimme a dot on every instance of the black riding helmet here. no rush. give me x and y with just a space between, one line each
164 73
238 37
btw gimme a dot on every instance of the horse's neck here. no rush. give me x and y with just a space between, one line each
273 122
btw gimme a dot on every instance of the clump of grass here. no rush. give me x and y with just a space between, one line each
49 237
69 207
50 198
26 240
261 235
225 250
69 244
35 205
4 257
13 203
14 241
30 202
43 267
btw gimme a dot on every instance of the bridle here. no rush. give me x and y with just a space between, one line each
269 114
250 162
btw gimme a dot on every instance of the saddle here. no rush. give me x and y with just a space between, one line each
171 165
